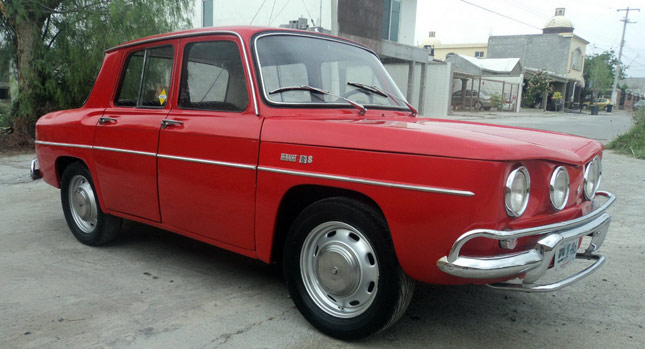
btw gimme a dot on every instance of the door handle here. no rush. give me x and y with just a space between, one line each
106 120
167 122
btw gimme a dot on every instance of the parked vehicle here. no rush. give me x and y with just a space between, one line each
601 103
474 99
639 105
297 148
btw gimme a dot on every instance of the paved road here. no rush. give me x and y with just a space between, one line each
603 127
157 289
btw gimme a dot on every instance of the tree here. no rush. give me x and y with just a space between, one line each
599 71
57 46
538 88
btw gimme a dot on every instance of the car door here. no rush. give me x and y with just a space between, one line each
208 150
126 138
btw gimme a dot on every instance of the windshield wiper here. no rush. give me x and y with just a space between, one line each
360 107
376 90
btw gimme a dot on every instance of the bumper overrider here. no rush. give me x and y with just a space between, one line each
34 170
535 262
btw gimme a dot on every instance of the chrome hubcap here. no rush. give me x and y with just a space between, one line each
82 204
339 269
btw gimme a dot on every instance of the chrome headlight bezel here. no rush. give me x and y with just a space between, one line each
559 171
508 191
593 168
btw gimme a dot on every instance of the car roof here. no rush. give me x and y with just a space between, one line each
241 31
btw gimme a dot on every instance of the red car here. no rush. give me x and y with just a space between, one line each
297 148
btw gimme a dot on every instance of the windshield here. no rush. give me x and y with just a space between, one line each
288 60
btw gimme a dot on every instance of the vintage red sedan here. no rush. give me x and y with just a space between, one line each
297 148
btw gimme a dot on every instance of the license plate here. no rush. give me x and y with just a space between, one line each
565 255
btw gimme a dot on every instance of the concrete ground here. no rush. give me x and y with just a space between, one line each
156 289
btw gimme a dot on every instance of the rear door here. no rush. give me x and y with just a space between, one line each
126 139
208 151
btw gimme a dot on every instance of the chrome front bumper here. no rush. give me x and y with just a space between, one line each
35 170
533 263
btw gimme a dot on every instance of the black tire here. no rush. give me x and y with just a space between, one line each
487 108
91 227
322 227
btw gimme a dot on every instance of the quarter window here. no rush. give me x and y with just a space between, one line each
213 77
146 78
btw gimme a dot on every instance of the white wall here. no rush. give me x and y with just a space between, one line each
399 73
437 95
407 22
270 13
437 98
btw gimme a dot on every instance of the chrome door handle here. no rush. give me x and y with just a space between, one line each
167 122
106 120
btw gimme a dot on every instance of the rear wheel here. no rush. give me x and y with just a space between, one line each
341 269
81 208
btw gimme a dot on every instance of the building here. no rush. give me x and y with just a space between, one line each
634 92
440 51
557 51
385 26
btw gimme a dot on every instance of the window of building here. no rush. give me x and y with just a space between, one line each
151 88
391 19
213 77
576 59
207 13
479 54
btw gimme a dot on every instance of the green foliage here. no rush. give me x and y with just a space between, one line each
5 120
600 69
633 141
72 38
497 102
538 84
557 96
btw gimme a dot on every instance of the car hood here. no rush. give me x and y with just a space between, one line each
433 137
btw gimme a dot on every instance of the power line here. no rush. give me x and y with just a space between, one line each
256 13
499 14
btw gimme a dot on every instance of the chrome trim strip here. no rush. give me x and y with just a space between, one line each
119 150
209 162
191 34
369 182
65 144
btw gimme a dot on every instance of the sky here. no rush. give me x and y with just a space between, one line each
597 21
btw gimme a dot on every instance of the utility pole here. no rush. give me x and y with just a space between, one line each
614 93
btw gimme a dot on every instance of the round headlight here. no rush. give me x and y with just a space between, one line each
516 193
593 173
559 188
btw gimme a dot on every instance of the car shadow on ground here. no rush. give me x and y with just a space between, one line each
433 308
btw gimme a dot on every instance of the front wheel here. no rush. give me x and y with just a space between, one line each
82 212
341 269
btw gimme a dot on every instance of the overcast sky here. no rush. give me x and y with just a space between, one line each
597 21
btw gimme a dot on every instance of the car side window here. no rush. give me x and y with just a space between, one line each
146 78
213 78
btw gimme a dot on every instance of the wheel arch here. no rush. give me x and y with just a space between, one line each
297 199
62 162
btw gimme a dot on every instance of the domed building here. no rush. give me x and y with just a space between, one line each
558 52
558 23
